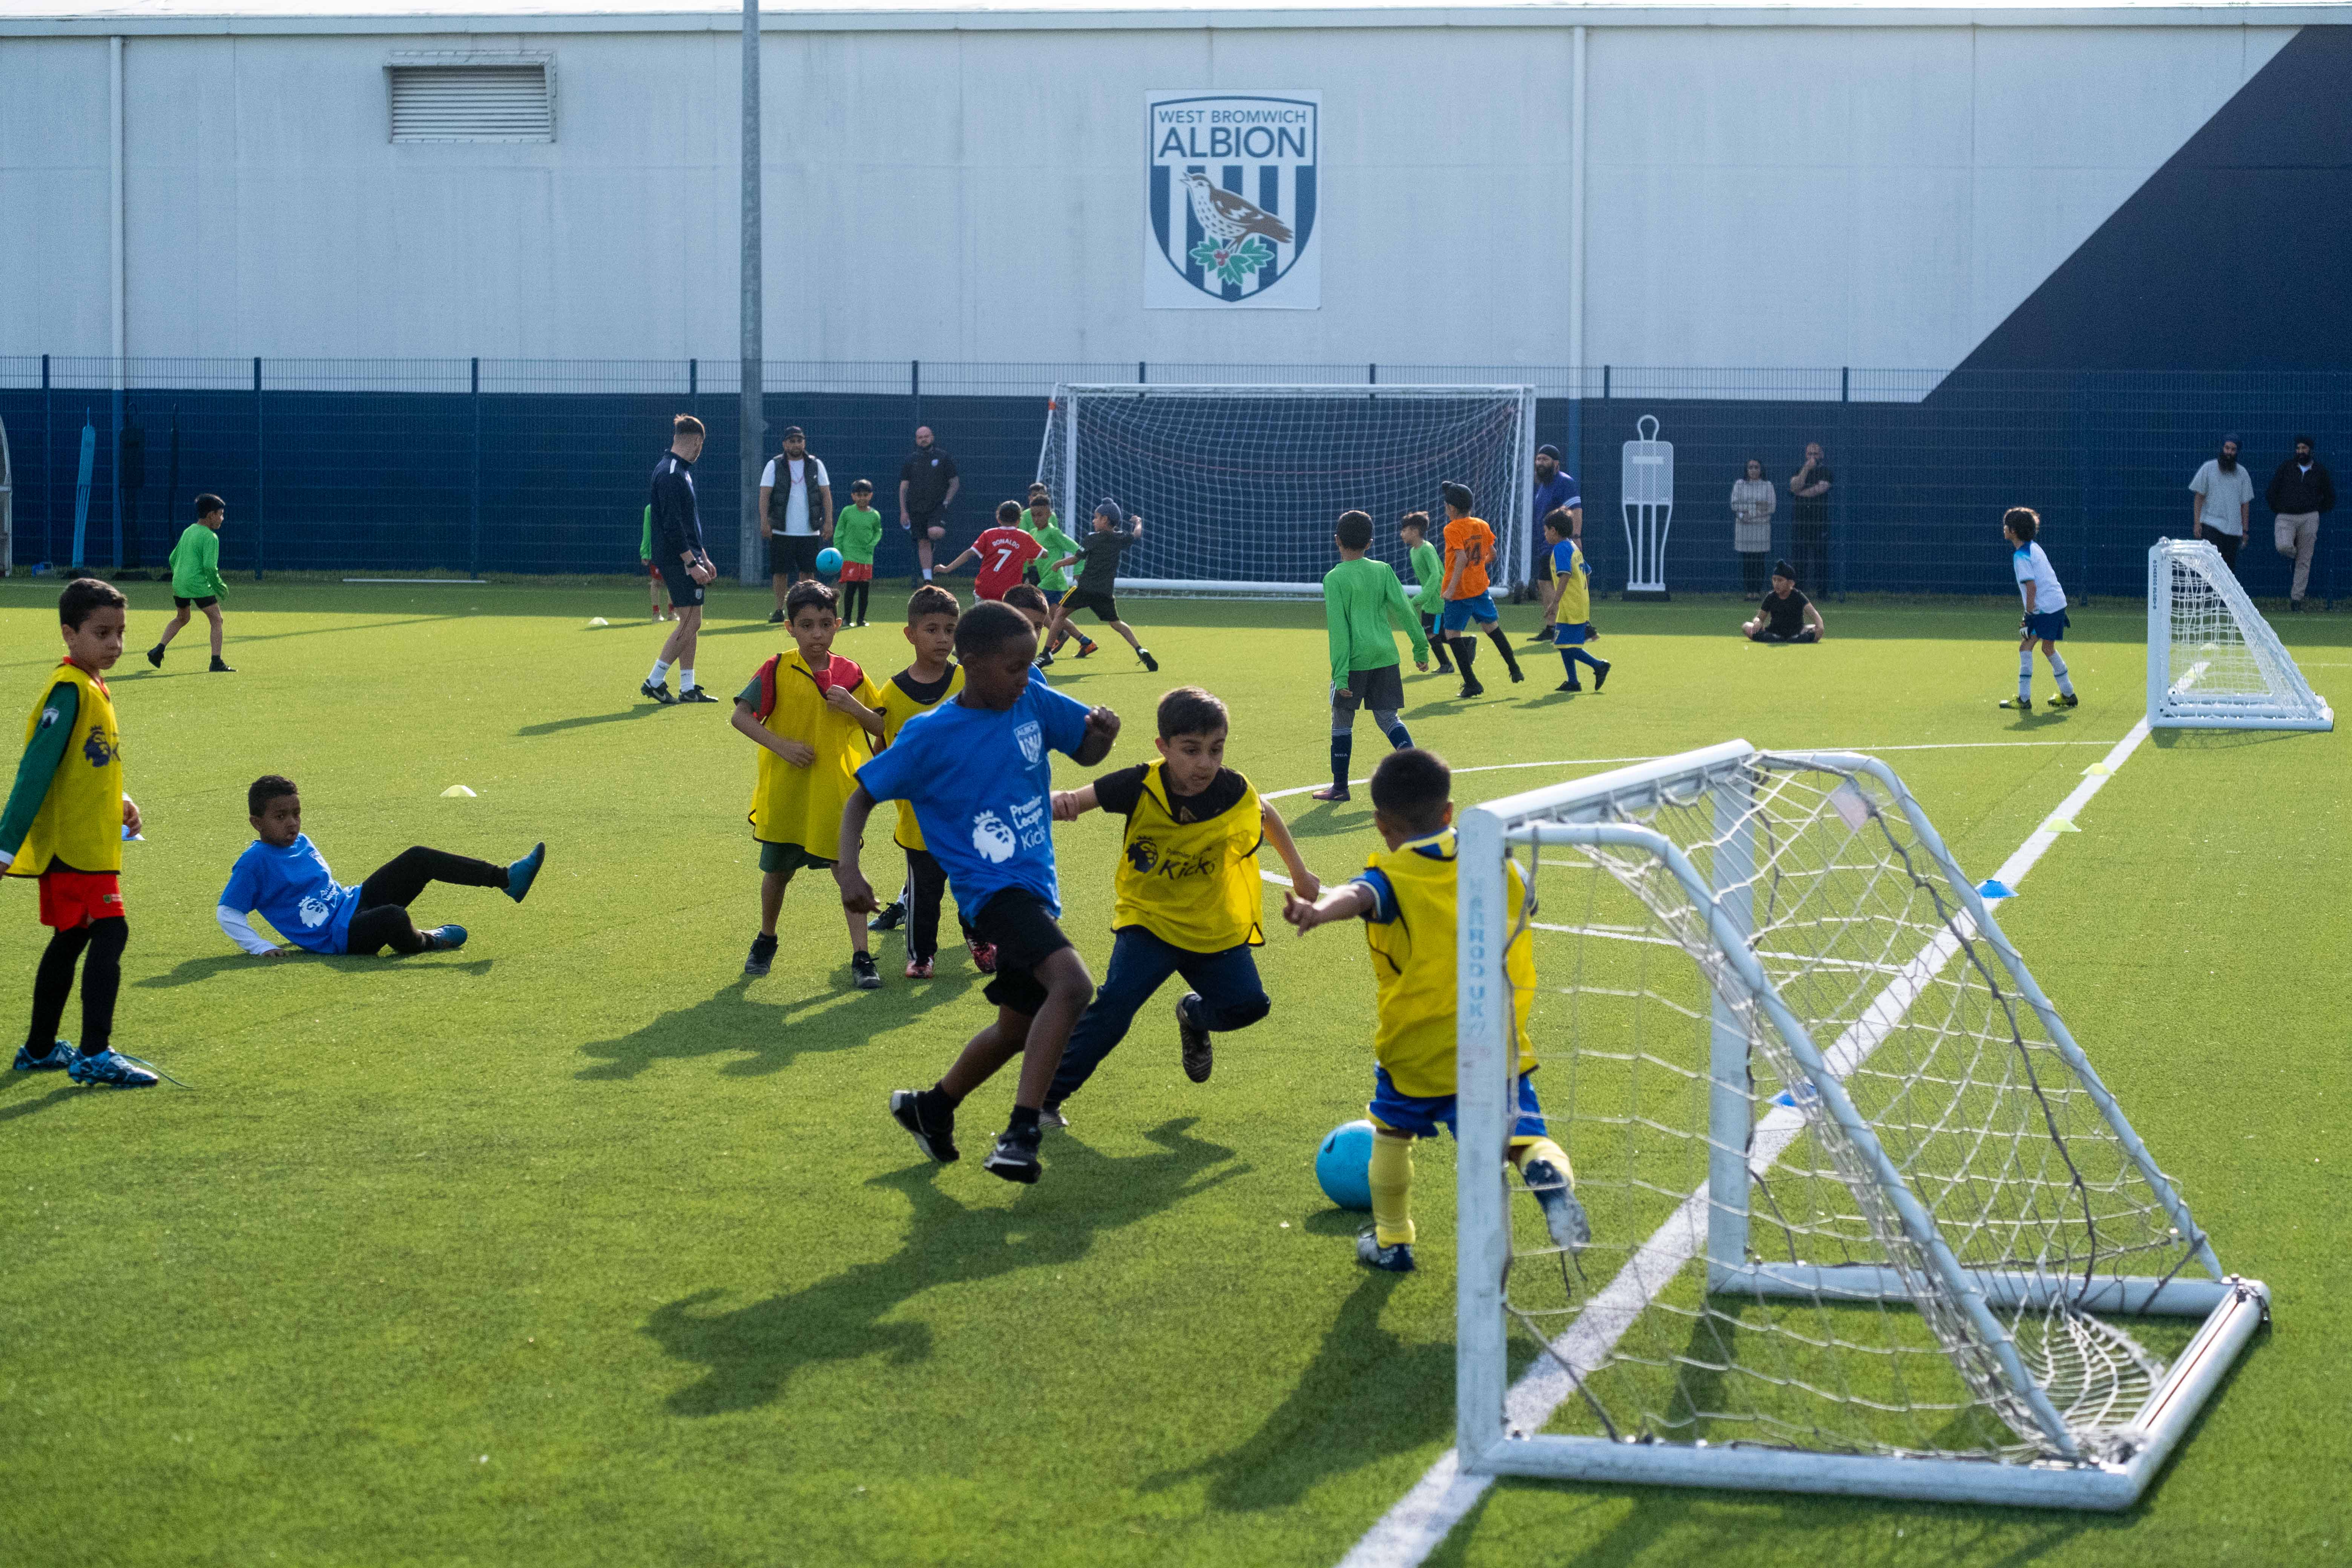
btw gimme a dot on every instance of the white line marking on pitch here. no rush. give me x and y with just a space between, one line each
1424 1517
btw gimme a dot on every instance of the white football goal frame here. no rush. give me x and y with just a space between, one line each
2213 662
2097 1463
1063 469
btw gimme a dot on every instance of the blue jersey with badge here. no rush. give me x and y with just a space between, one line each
293 891
982 786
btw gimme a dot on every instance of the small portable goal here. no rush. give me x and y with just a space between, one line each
1864 1218
2213 662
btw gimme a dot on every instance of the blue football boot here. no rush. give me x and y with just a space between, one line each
59 1058
1563 1215
1396 1260
444 938
524 872
111 1069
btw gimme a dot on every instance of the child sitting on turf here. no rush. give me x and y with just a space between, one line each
2045 608
1785 615
1568 605
282 876
1187 893
1429 578
977 772
1406 900
810 711
1360 598
64 823
922 686
856 534
196 580
1097 563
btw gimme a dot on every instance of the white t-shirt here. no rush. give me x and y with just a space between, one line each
2224 494
2033 567
796 508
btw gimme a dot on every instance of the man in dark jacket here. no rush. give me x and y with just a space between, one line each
2300 490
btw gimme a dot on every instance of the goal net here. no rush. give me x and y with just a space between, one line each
2213 663
1239 486
1864 1220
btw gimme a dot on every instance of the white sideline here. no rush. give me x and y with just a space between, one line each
1424 1517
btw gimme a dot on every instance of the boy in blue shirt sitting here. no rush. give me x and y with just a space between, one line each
977 773
284 877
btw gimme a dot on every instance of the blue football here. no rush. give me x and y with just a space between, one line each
1343 1165
828 561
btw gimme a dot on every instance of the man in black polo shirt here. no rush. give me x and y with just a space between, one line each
685 566
1809 517
927 484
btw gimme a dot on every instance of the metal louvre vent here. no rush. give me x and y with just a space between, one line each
472 100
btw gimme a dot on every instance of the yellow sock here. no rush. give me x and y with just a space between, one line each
1525 1149
1391 1189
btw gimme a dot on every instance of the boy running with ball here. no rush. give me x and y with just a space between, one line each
1469 556
1187 894
2045 609
64 823
1406 898
1361 597
979 772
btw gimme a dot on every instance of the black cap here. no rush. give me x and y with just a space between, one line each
1457 494
1549 450
790 431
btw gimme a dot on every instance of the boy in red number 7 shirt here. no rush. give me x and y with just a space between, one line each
1003 553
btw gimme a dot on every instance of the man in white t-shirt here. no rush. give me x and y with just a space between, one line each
2225 498
798 523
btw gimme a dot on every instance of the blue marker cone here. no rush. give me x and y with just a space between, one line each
1993 890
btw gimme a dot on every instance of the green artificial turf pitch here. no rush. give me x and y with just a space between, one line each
576 1246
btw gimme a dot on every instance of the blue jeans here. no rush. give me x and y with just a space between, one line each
1227 982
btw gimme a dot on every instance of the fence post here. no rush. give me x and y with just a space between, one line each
114 468
259 470
693 378
48 461
1372 373
474 549
1839 510
915 386
1142 374
2082 445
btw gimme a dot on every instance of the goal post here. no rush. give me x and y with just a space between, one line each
2213 662
1240 485
1865 1219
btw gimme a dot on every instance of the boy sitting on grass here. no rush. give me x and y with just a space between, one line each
1785 616
1187 893
282 876
1406 898
810 711
977 772
196 580
64 823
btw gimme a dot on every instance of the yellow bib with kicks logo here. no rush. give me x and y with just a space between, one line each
1194 885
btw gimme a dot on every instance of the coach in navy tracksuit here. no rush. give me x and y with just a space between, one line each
1554 491
685 566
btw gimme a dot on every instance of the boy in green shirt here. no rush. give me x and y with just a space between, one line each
1429 574
1361 597
197 579
856 531
1041 523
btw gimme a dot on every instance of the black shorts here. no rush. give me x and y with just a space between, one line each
791 553
683 589
920 523
1381 690
206 603
1024 936
1104 605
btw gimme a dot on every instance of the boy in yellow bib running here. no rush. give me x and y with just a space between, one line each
64 823
1188 893
1406 898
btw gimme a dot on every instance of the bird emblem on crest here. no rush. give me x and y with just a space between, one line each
1238 230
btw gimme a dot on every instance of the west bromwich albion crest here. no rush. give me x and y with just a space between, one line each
1232 197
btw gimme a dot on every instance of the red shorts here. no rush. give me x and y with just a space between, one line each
653 570
857 572
71 899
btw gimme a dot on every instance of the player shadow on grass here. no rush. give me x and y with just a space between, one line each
752 1352
557 726
766 1037
189 971
1367 1393
27 1105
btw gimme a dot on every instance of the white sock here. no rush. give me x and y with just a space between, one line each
2024 674
685 678
2058 669
661 669
927 574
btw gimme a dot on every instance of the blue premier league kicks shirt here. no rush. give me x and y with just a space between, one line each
982 786
294 891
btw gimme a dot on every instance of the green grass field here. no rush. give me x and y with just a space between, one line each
576 1246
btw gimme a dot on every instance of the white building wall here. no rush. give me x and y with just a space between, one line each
1775 196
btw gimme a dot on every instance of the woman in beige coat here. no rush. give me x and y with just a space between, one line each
1753 501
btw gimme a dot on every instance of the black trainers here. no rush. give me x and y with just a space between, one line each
696 694
2065 700
1051 1118
1144 654
1470 688
155 656
862 972
1601 675
1396 1260
1570 686
221 665
1543 634
932 1126
1199 1055
658 693
763 955
1517 675
776 616
1042 659
889 918
1014 1158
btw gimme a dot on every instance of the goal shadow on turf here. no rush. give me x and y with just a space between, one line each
763 1037
752 1353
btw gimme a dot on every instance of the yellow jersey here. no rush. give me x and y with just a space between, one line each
802 806
80 824
900 703
1574 606
1192 882
1411 933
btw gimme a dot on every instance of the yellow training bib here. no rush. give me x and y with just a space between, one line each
1194 885
802 806
81 820
1413 962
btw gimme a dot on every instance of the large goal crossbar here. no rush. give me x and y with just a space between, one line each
2060 1457
1061 467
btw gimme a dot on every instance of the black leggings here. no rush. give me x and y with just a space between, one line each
927 886
101 977
1752 573
853 600
384 898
